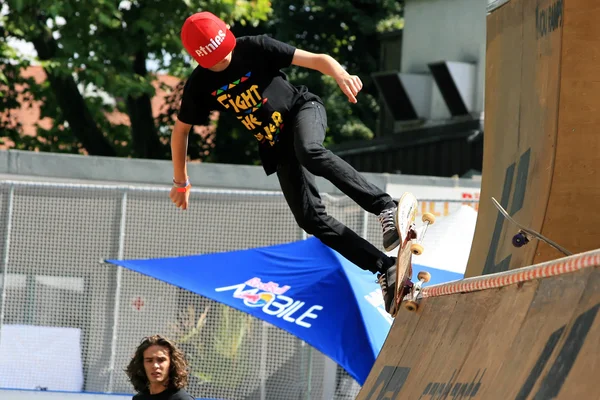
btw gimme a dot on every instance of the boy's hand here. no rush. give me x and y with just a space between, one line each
180 196
325 64
350 85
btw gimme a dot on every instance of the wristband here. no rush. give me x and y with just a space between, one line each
182 185
183 189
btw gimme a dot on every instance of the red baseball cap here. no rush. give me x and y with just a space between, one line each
207 38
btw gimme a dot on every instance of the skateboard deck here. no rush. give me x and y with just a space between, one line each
406 290
523 236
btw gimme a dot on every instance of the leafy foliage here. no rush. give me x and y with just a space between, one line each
10 81
104 46
347 30
100 96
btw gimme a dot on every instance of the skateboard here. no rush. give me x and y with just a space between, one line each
525 234
406 290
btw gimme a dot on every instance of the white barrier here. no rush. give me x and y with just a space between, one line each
43 395
15 394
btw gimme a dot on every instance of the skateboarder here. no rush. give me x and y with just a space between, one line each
243 76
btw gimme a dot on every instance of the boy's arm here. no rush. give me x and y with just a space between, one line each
350 84
179 143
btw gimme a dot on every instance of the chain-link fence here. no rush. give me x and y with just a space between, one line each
58 297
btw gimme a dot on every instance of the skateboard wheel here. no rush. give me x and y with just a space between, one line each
416 249
519 240
424 276
429 217
411 306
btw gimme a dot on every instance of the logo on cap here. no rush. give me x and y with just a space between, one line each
212 45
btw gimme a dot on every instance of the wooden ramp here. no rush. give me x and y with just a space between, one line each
510 331
542 121
532 333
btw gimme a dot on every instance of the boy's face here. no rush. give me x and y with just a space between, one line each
221 65
156 364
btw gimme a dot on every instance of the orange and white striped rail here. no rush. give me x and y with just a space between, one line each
551 268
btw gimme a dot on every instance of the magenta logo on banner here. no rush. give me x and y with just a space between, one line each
270 297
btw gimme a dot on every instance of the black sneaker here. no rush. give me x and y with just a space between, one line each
387 281
387 219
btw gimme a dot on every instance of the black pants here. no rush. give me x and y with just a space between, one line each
306 157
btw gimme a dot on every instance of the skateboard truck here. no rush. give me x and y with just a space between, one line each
410 299
417 248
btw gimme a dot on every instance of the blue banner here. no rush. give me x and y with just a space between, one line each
303 287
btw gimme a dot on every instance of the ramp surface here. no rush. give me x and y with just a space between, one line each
541 148
509 331
513 335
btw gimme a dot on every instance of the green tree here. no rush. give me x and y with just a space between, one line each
348 31
10 79
105 45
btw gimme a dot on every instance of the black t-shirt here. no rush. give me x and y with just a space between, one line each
169 394
254 88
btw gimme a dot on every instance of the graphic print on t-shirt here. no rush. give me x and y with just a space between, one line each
247 103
